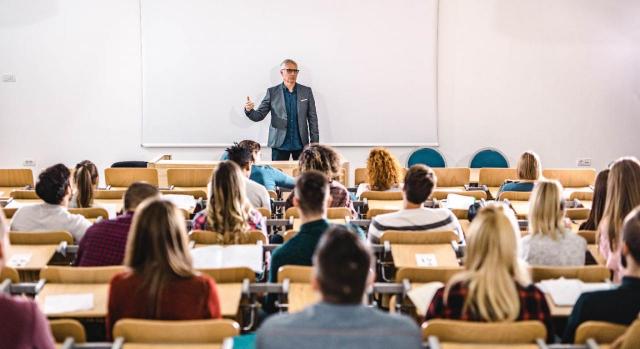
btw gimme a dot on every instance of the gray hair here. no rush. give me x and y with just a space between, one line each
289 61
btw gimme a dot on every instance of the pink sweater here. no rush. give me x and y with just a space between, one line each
22 325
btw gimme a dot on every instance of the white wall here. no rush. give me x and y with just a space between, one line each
558 77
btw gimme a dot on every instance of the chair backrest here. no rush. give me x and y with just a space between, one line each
601 332
489 157
196 193
578 214
587 273
361 175
173 332
16 177
9 273
90 212
381 195
289 234
424 275
21 194
229 275
189 177
418 237
65 328
80 275
265 212
332 212
378 211
207 237
631 339
427 156
589 235
571 177
9 212
442 194
515 195
292 212
111 194
581 195
452 176
272 194
130 164
519 332
295 273
495 177
39 237
123 177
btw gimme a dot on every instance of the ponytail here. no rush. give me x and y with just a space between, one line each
85 177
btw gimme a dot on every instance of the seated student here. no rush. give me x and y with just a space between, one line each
54 188
495 286
229 213
597 205
269 176
529 170
161 283
104 242
620 305
85 180
384 172
550 242
419 183
22 324
324 159
342 271
256 193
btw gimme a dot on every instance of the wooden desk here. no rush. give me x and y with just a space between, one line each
229 295
100 297
40 257
595 253
301 296
405 255
395 205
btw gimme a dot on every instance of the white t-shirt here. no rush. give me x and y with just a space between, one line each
257 194
44 216
435 219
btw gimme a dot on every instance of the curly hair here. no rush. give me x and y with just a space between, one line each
383 169
322 158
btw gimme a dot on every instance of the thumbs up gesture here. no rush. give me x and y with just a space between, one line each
248 106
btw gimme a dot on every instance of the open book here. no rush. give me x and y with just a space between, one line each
565 292
422 295
185 202
455 201
220 256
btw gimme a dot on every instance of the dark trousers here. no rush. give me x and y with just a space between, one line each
283 155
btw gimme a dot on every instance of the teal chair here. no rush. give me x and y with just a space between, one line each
426 156
489 157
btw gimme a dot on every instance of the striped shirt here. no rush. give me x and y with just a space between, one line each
415 219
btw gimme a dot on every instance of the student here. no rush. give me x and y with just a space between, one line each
85 179
384 172
229 213
22 324
419 183
54 188
597 205
161 283
324 159
623 195
494 285
312 199
342 271
268 176
104 243
549 241
619 305
529 171
256 193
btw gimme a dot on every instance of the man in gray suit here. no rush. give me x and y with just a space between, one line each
294 122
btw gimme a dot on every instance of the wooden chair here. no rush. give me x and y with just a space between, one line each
452 176
196 193
65 328
230 275
361 176
9 273
495 177
381 195
377 211
189 177
442 194
418 237
206 237
295 273
175 332
515 195
589 235
581 195
455 331
111 194
292 212
9 212
16 177
265 212
572 177
578 214
601 332
631 338
90 212
332 213
587 273
289 234
425 275
272 194
21 194
39 237
80 275
123 177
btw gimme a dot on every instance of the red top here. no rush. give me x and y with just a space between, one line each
22 325
182 299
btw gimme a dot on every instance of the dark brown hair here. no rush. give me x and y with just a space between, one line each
137 193
419 182
86 178
599 199
53 183
312 189
631 234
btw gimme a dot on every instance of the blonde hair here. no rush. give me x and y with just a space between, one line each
158 249
623 195
529 167
546 208
383 169
492 267
229 208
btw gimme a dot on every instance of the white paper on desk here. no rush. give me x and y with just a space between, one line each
421 296
218 256
67 303
426 260
455 201
186 202
17 204
19 260
565 292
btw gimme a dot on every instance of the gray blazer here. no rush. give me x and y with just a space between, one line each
274 102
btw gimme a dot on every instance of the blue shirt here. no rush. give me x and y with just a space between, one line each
292 140
516 186
271 177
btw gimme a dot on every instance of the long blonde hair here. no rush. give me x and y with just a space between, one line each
383 169
229 208
158 249
529 167
623 195
546 208
492 267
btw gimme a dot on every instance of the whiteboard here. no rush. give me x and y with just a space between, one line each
371 64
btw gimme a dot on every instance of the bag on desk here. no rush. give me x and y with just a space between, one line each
473 209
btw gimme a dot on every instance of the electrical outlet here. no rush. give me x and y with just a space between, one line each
586 162
8 78
29 163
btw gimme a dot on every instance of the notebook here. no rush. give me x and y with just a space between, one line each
421 296
218 256
565 292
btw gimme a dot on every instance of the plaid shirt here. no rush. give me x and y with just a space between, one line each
533 306
339 197
104 242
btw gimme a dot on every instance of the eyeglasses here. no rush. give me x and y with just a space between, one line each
291 71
